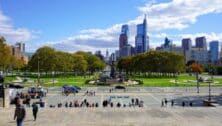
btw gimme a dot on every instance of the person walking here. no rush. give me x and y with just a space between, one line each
20 112
172 102
35 110
162 103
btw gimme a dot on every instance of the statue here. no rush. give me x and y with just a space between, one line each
113 73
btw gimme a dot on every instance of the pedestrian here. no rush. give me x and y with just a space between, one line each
191 104
172 102
66 105
35 110
19 112
183 103
166 101
162 103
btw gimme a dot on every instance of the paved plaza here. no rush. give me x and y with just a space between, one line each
151 114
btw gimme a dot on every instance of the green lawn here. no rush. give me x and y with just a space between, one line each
59 81
182 81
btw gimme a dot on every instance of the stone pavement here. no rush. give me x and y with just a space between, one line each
149 115
155 116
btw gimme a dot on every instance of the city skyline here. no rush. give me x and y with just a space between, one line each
81 30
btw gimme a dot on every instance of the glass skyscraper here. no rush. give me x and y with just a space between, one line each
125 30
142 39
214 51
124 48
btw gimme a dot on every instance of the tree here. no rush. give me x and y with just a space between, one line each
94 63
153 61
79 63
46 57
5 55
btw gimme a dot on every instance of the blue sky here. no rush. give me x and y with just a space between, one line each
72 25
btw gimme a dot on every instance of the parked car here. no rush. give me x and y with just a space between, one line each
66 89
120 87
37 92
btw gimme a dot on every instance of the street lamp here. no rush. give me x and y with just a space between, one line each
210 72
38 73
53 78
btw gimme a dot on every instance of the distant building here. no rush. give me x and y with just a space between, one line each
107 57
125 30
142 39
16 52
186 44
198 54
123 39
172 48
126 51
21 46
214 51
99 54
117 55
201 42
167 43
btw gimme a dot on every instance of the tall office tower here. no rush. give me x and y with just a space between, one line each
201 42
186 45
21 46
107 53
125 30
123 39
142 39
214 51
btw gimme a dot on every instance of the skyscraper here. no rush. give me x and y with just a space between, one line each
125 30
201 42
142 39
21 46
123 39
186 44
214 51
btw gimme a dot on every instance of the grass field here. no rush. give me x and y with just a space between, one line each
181 81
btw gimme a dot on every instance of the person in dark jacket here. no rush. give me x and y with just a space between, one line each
19 112
35 110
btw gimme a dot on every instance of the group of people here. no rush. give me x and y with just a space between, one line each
134 102
76 103
165 101
20 111
90 93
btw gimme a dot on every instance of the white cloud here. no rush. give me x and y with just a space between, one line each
176 14
179 14
11 33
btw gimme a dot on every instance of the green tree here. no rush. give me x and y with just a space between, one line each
79 63
46 57
5 55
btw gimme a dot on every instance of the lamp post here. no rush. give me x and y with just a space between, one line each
53 78
210 72
38 73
